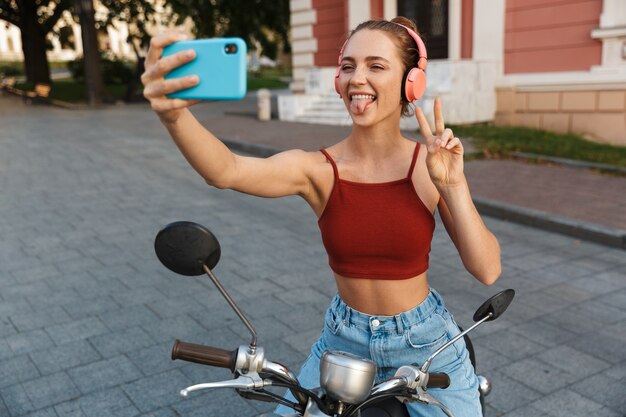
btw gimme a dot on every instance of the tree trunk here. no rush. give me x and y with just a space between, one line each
34 45
91 54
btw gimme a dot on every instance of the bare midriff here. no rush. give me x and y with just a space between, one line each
382 297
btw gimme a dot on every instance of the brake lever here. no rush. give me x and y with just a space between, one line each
250 381
424 397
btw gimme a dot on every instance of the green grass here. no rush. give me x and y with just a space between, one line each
73 92
19 65
271 78
501 141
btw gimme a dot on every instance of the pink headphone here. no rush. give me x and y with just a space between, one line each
414 81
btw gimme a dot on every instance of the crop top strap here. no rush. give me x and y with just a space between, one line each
332 162
414 160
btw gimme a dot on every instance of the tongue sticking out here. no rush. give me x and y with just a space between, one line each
358 105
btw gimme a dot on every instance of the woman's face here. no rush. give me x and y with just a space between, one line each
370 77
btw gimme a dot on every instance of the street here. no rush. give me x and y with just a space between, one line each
88 315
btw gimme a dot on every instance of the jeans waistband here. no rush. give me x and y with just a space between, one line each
396 323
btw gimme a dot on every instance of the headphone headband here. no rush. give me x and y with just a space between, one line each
421 48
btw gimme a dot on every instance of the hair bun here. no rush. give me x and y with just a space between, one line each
405 21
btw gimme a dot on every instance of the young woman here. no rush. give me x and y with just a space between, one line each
374 194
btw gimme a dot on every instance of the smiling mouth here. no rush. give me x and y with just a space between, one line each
360 102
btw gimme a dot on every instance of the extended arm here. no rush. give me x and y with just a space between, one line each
280 175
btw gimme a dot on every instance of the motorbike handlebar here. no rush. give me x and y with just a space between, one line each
438 381
205 355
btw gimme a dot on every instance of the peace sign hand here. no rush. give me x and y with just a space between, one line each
445 152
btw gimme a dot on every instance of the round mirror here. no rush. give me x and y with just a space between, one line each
496 305
184 247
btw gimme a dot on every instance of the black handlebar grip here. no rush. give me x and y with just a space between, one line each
205 355
438 381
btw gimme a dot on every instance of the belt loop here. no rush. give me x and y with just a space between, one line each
399 324
346 315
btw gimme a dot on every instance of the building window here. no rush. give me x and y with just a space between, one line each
431 17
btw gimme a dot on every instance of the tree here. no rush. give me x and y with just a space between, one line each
137 15
35 19
266 22
91 53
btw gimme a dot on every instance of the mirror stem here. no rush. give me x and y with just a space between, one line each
234 306
457 337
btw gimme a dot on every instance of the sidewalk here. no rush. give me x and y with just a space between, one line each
574 201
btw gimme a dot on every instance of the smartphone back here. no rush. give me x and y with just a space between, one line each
220 65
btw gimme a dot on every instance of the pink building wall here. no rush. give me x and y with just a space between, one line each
551 35
330 30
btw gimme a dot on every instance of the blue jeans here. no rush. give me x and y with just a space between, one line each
404 339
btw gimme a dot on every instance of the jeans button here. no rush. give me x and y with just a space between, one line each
375 322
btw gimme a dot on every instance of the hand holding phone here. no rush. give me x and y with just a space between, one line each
220 65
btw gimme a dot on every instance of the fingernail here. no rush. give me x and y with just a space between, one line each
192 78
190 53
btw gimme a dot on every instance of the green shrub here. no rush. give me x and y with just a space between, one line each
114 70
12 69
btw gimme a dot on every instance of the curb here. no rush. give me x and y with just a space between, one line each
569 162
547 221
528 217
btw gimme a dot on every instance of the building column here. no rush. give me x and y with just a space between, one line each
390 9
4 44
358 12
454 30
612 33
303 44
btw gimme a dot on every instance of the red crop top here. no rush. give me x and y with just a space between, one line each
376 230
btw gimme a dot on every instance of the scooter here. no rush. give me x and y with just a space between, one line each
347 386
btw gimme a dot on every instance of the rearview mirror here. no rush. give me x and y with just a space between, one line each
186 247
495 305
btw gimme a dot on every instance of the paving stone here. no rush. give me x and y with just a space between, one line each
50 390
29 341
303 296
48 412
17 369
526 411
85 307
567 403
181 327
573 361
604 390
136 315
508 394
152 393
155 359
104 374
601 345
540 376
175 306
6 328
214 403
14 307
76 330
110 402
40 319
138 296
123 341
16 400
543 333
65 356
511 345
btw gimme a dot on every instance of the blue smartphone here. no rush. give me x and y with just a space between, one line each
220 65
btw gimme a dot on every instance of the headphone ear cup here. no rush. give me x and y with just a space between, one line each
414 84
337 81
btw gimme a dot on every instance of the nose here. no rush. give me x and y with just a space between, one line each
358 77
